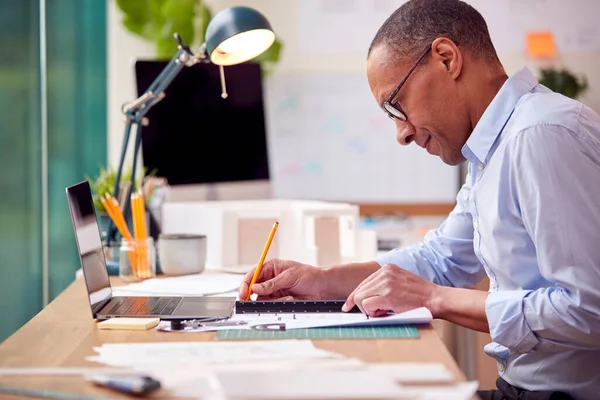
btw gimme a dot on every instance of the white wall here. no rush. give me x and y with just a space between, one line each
124 47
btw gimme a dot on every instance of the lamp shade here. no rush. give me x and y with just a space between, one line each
236 35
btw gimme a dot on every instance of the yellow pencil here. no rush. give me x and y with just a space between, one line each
262 259
136 236
114 211
143 232
143 236
119 220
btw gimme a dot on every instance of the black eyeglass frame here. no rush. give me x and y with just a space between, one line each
387 105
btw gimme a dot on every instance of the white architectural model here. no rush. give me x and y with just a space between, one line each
314 232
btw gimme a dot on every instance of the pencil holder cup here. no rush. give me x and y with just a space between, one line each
112 252
181 254
137 259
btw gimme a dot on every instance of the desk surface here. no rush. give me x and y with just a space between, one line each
63 334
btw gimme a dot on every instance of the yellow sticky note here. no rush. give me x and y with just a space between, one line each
540 44
129 324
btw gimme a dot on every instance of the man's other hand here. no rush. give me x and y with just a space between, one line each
391 289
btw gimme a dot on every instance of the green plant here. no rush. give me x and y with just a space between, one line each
105 183
158 20
563 81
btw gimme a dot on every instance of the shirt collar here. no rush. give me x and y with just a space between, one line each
479 144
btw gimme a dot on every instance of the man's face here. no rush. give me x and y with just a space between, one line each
437 117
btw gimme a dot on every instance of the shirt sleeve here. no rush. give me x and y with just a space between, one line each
446 256
554 175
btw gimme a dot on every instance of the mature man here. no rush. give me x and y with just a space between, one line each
528 215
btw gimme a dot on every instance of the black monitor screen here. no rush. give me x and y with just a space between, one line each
196 136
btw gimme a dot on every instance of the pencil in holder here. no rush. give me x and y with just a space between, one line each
137 260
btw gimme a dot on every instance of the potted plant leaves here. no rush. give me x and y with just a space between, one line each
563 81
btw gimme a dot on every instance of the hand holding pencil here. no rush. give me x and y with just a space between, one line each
286 280
262 258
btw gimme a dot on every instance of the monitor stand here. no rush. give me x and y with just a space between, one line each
212 193
251 190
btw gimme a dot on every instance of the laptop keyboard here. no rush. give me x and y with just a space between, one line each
143 305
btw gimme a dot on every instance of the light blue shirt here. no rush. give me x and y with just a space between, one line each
528 216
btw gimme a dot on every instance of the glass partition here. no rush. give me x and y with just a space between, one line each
70 136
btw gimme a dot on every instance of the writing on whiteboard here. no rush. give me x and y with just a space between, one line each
329 140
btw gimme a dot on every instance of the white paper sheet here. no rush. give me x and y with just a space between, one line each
206 353
417 316
308 385
283 369
195 380
315 320
204 284
202 381
458 391
47 371
332 384
414 373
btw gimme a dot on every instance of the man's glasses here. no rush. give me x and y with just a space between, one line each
394 111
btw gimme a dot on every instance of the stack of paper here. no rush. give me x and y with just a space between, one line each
187 369
205 284
282 369
207 353
363 383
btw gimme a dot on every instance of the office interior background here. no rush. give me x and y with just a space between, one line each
67 66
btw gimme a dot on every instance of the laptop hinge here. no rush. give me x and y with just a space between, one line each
101 305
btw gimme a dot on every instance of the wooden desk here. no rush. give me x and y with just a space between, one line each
63 334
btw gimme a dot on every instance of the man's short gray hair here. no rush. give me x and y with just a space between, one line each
417 23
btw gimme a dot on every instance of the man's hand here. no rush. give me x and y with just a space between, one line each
286 280
391 289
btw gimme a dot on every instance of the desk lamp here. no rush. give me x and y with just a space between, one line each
235 35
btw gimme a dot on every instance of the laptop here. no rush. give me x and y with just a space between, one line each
93 264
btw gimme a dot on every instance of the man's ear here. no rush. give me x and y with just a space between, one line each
447 55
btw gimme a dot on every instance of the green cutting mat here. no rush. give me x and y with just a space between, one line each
366 332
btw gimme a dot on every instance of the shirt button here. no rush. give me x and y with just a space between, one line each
500 367
479 167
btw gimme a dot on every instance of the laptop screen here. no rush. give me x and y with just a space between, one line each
89 245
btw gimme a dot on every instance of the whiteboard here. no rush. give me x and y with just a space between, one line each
349 26
327 137
574 23
341 26
329 140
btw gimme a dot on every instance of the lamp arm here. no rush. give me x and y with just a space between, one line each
171 70
136 149
155 92
122 158
111 232
162 81
136 110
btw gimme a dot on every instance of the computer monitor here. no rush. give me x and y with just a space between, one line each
195 136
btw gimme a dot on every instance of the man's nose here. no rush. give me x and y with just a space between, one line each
405 133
